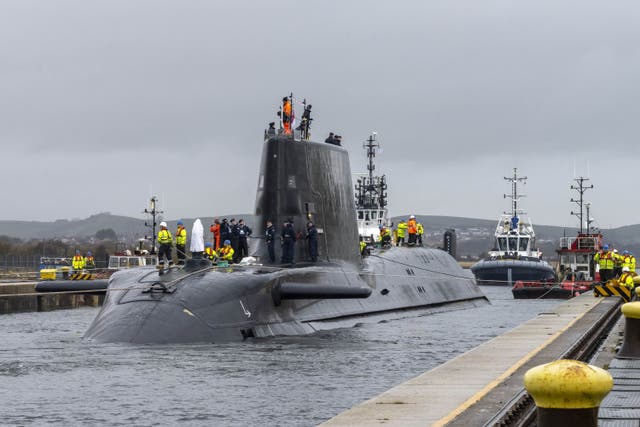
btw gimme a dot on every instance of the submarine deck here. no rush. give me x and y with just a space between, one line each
473 387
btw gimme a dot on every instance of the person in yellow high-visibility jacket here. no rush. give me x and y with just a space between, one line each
605 261
166 241
626 279
89 261
181 242
401 232
77 262
226 252
209 252
385 236
420 233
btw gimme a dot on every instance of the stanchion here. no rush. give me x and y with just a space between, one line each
567 392
631 344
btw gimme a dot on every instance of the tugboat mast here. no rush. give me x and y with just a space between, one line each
515 197
581 188
370 192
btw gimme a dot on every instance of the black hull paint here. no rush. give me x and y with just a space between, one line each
507 272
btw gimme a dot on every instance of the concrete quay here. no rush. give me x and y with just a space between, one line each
21 297
472 388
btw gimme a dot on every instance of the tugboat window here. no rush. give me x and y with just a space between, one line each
374 214
502 244
360 215
524 241
513 243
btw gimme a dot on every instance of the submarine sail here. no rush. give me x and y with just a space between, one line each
299 181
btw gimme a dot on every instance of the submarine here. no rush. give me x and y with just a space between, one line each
299 180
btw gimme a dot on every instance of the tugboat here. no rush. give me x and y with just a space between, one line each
514 256
371 198
299 181
575 255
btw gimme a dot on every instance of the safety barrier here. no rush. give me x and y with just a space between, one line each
611 290
81 276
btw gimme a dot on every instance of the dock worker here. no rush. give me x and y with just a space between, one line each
385 236
209 252
626 279
604 258
420 233
226 251
270 240
89 262
244 232
166 241
286 115
215 230
312 240
412 228
617 263
401 231
626 259
632 265
181 242
77 262
288 240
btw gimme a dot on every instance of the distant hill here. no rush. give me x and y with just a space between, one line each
474 235
124 226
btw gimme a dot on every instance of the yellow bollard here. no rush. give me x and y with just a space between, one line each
567 392
631 344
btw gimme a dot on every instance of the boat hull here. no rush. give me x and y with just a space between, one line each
507 272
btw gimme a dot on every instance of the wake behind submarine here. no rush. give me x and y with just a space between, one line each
301 180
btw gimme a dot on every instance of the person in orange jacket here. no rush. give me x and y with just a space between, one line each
412 228
215 229
286 115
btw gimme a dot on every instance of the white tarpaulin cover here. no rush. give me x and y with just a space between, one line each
197 237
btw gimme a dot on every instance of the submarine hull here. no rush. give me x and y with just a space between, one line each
298 181
234 303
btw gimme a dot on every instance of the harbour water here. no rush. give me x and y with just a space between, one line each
48 375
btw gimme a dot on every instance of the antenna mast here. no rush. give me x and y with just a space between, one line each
514 196
370 190
154 214
581 188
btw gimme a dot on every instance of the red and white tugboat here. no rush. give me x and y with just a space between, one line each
575 259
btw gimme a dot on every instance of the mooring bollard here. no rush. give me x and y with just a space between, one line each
567 392
631 344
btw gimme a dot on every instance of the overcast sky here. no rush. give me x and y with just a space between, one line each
103 103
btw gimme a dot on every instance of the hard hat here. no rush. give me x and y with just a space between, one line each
615 251
227 242
163 224
77 251
207 245
412 217
625 252
625 269
381 226
180 222
89 253
605 247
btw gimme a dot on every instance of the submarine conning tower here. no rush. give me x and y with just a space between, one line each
307 181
